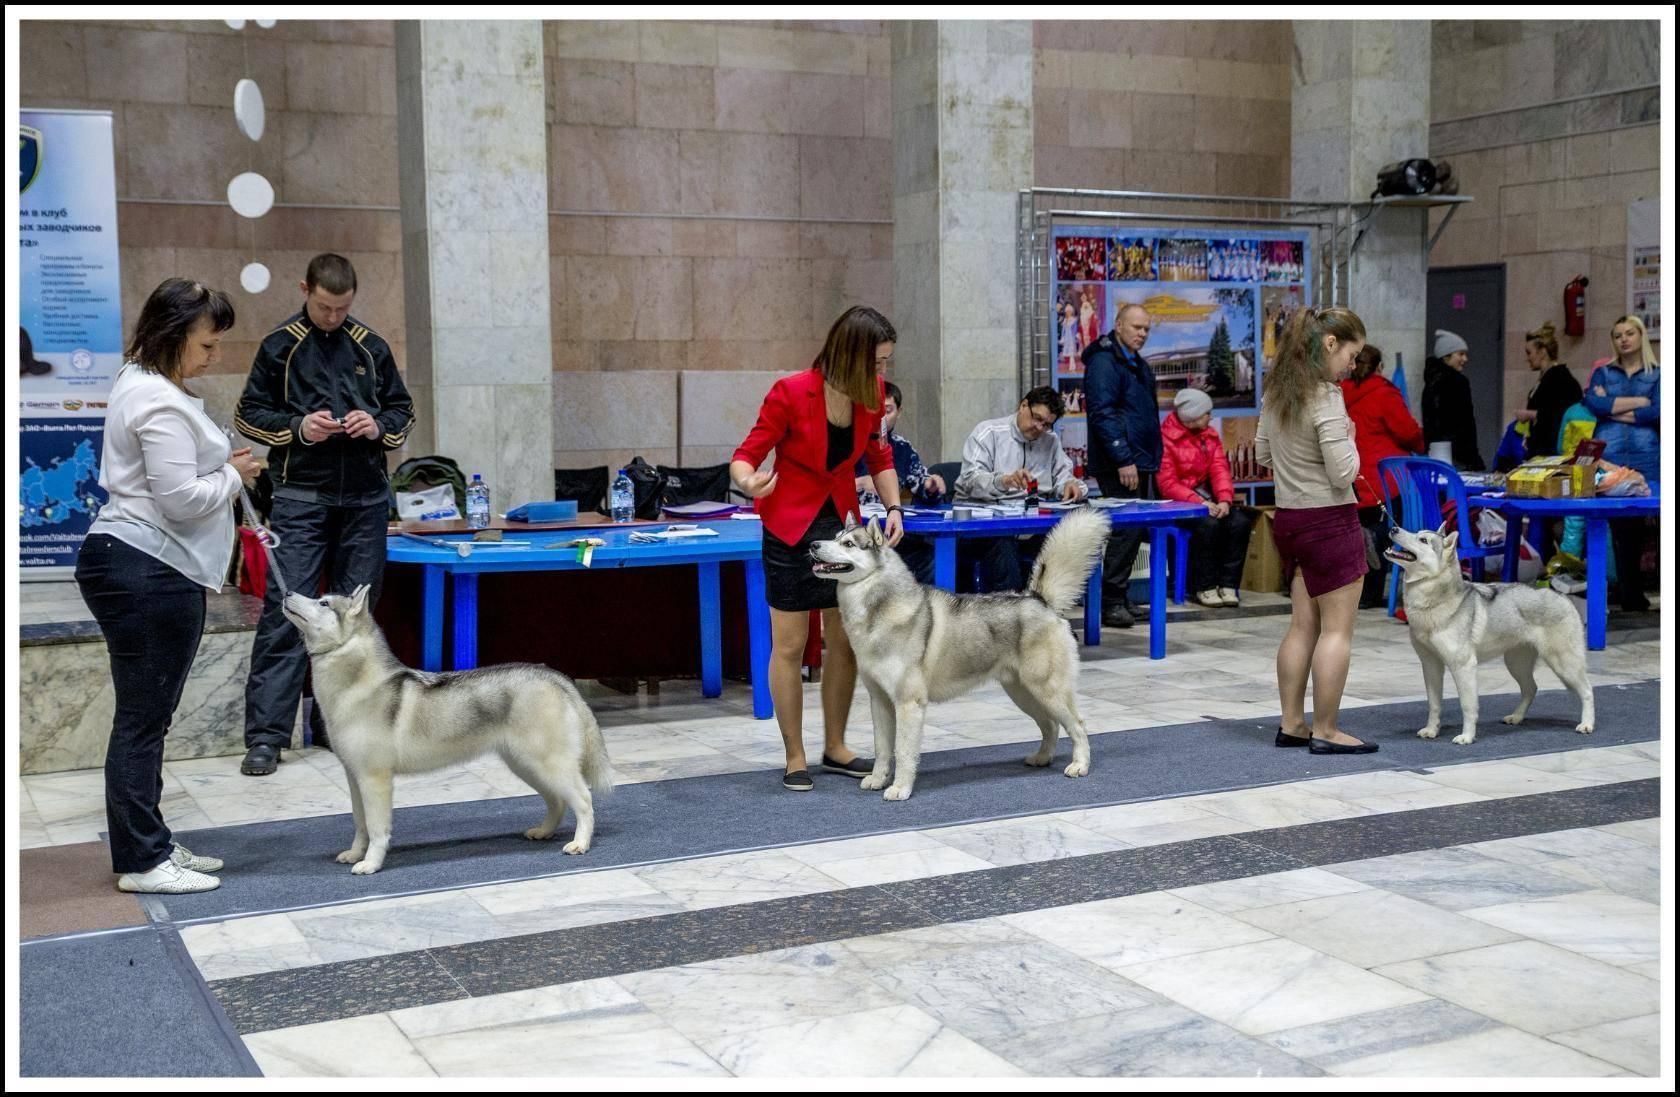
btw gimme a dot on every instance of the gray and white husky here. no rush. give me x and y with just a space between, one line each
387 719
917 644
1455 624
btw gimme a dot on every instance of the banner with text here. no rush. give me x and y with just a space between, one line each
70 346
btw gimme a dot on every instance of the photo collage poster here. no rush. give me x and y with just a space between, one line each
1218 303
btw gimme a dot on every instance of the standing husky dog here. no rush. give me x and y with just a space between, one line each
1455 624
917 644
387 719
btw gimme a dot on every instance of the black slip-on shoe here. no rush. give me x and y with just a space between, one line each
1325 746
857 767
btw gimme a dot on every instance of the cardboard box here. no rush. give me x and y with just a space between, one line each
1263 567
1542 478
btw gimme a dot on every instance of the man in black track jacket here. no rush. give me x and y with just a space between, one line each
324 395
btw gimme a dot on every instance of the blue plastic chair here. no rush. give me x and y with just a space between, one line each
1421 482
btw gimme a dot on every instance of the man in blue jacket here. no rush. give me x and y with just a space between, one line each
1124 425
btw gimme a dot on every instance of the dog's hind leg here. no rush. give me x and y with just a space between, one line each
1520 662
885 717
376 813
1569 662
358 847
1028 703
539 774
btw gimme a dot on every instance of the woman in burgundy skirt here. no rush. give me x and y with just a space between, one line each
1307 439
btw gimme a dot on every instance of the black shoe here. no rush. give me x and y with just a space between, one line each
260 761
1284 739
797 781
1325 746
1117 617
857 767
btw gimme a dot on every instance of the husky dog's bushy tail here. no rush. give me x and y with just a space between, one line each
1070 552
596 766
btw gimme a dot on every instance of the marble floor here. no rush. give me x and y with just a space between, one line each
1508 923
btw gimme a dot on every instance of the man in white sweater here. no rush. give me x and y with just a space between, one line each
1002 459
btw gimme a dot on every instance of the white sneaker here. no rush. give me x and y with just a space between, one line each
167 879
1210 598
1228 596
187 859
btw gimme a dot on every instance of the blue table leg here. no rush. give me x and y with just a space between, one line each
466 621
1158 592
1598 546
431 618
758 640
1093 605
945 563
711 632
1513 545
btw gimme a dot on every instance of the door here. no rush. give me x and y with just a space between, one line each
1470 303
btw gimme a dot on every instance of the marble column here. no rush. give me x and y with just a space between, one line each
962 149
1361 100
473 161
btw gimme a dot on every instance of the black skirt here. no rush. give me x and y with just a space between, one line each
789 583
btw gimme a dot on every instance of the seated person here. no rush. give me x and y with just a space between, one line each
916 485
1194 470
1001 458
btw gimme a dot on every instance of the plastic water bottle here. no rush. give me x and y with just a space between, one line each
623 498
478 503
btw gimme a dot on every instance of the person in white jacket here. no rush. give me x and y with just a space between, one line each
164 538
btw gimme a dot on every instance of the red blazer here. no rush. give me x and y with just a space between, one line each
793 421
1382 427
1188 459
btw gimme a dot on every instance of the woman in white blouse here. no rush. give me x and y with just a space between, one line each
164 538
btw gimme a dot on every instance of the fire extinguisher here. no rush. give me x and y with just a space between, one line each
1575 306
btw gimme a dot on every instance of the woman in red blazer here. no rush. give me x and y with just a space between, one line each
1383 427
819 423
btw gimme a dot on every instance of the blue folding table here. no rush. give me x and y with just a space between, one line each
1598 511
735 540
1155 516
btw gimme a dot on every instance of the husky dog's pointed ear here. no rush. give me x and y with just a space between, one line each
876 536
1450 542
358 599
851 520
1446 528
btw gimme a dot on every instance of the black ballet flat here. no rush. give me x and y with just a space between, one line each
1325 746
1284 739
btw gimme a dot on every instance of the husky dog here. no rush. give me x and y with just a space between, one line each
917 644
1455 624
386 719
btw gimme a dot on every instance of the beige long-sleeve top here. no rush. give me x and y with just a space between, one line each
1314 461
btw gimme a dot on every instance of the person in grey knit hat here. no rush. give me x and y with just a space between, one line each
1449 412
1194 469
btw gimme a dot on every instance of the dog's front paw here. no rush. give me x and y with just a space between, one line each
1464 738
575 846
1039 758
897 792
874 781
539 834
352 855
1428 733
1512 719
1077 769
366 867
1584 729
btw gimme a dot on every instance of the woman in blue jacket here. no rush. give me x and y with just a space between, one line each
1625 395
